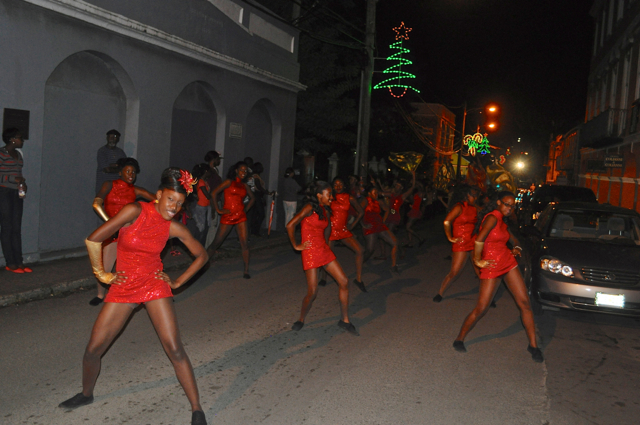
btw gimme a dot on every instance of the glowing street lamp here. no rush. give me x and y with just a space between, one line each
520 165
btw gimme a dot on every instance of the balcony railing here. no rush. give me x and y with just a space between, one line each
605 129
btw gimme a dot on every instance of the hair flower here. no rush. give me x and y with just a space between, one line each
187 181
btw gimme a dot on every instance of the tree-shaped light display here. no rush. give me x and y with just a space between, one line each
477 143
397 74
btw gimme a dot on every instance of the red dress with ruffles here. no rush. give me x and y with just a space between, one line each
339 215
394 215
495 248
121 194
318 254
415 207
463 227
139 248
373 218
233 197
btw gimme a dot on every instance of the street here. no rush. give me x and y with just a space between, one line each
251 368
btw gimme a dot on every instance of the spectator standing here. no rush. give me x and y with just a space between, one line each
13 189
259 190
290 189
108 157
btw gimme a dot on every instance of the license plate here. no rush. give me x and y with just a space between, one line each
609 300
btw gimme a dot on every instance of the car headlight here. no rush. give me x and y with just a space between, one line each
554 265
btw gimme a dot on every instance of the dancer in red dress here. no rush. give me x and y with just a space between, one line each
144 231
415 214
396 199
341 231
459 225
496 261
234 211
115 195
374 228
315 231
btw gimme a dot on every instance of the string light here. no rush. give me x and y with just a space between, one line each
402 33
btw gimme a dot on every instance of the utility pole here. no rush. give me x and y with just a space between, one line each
364 118
464 121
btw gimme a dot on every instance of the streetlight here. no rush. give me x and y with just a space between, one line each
520 165
491 110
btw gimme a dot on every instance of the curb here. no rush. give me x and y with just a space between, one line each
64 288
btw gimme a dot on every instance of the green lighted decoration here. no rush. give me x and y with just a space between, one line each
402 33
477 143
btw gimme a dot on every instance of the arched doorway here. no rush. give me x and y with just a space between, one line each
85 96
195 124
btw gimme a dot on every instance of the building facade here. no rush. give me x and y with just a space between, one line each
176 77
608 138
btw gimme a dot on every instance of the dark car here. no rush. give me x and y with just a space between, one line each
532 206
585 256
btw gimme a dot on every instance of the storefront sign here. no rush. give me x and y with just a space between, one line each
613 161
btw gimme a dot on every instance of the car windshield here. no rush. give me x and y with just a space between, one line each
596 225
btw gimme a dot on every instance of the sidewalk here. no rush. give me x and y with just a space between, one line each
60 277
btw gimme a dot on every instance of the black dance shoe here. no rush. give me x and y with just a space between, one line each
348 327
76 401
246 276
493 304
96 301
197 418
297 326
395 269
459 346
322 282
360 285
536 354
437 298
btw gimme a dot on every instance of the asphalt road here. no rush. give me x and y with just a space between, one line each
252 369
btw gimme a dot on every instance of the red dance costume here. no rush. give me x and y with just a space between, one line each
339 215
415 207
373 218
121 194
495 248
139 248
394 215
463 227
318 254
233 197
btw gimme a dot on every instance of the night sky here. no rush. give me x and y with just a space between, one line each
530 56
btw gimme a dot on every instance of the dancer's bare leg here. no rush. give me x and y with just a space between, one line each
335 270
458 260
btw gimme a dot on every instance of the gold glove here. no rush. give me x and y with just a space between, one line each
477 255
447 231
95 256
97 206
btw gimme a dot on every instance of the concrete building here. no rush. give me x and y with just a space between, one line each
608 138
175 77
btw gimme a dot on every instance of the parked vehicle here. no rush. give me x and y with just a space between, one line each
585 256
531 207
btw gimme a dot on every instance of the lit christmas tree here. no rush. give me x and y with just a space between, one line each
402 33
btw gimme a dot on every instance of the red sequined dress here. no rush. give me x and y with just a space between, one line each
495 248
373 218
415 207
394 215
318 254
339 215
121 194
233 197
139 248
463 227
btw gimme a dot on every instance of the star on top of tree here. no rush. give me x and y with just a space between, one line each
402 32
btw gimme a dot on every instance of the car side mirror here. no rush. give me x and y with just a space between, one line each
531 231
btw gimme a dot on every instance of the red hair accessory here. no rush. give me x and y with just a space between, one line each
187 181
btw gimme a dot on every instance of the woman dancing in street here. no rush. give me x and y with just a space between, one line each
459 225
396 199
144 229
496 261
316 252
415 214
374 228
234 212
114 195
341 231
